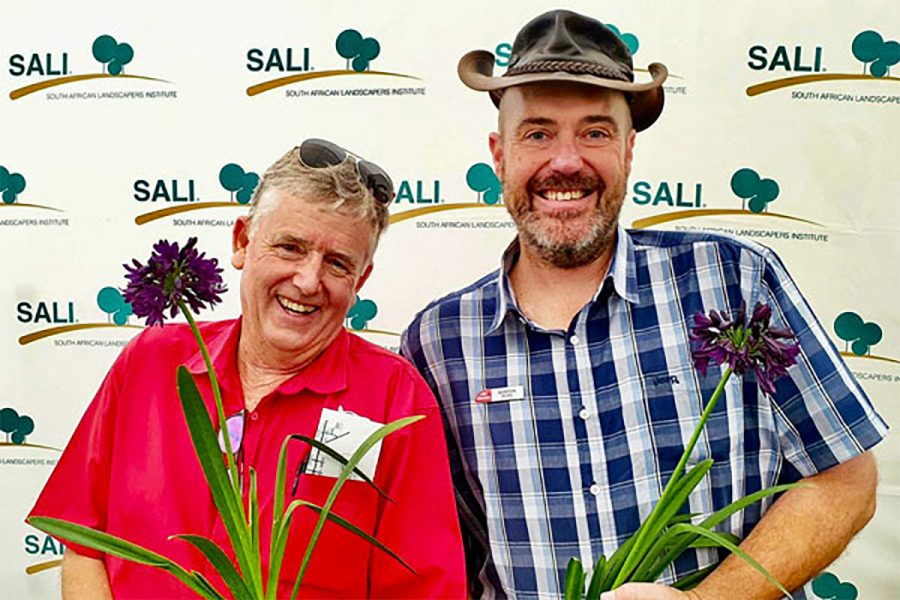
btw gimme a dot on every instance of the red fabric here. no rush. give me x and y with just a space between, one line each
130 469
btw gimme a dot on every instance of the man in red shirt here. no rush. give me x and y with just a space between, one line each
287 366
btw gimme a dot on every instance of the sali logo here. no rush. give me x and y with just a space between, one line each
754 191
182 195
480 179
112 55
859 336
828 586
803 65
42 547
359 316
58 317
354 49
12 186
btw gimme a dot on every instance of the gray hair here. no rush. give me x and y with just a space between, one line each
337 188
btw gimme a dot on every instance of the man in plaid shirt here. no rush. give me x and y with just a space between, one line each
565 377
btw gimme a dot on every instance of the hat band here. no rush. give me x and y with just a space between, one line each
567 66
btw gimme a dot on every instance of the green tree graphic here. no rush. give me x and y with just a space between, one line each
110 301
11 185
629 39
113 55
15 426
875 53
859 335
481 179
361 313
241 184
748 186
351 45
828 587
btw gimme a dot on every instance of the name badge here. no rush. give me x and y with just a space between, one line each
344 432
504 394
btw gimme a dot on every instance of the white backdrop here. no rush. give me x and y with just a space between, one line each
84 157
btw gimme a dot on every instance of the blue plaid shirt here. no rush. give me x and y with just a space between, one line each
572 466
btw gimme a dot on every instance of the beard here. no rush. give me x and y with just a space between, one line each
562 239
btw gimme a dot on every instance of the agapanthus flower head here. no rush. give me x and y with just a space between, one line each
173 276
744 346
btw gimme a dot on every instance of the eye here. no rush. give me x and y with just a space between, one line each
537 136
341 266
598 135
288 249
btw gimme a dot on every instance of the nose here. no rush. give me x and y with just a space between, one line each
308 274
566 156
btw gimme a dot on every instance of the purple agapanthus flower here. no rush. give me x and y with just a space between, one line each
755 346
173 276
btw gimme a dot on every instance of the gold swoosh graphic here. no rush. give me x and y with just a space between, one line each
42 85
39 335
52 564
777 84
418 212
672 75
29 446
871 357
174 210
26 205
709 212
265 86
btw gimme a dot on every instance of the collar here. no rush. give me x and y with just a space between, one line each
326 374
622 273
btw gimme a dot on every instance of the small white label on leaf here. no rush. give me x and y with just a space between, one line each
343 432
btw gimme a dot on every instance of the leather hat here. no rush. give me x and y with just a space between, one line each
565 46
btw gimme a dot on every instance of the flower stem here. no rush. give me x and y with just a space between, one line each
220 409
676 474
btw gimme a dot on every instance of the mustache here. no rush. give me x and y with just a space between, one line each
575 181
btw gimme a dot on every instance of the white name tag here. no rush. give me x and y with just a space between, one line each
344 432
504 394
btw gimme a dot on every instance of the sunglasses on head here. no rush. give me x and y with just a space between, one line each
317 154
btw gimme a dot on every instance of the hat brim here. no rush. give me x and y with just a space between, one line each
476 70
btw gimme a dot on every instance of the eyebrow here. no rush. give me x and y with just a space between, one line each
588 120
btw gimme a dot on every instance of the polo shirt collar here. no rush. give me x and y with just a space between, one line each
327 374
622 273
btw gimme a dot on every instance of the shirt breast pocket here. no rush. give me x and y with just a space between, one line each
339 564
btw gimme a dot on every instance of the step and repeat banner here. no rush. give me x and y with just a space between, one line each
124 124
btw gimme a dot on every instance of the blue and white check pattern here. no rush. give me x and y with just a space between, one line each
571 469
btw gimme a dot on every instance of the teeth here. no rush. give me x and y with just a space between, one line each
563 196
303 309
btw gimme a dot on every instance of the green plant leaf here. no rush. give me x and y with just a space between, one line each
668 506
376 436
279 541
335 518
726 543
593 592
341 459
651 572
706 543
116 546
230 507
275 554
222 564
690 581
573 588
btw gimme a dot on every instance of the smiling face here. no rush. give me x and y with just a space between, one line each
302 267
564 155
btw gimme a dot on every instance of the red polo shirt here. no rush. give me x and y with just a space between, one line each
130 469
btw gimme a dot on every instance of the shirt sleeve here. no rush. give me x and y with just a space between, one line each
822 414
78 489
421 524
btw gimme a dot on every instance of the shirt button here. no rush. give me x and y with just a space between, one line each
584 413
595 489
574 340
254 416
